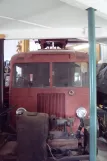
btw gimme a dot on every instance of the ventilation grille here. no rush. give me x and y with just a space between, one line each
53 104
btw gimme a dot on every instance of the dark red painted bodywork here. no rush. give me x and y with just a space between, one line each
52 100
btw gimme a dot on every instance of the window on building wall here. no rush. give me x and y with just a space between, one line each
31 75
34 46
66 74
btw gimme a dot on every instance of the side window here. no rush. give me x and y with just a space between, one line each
85 74
77 75
7 79
31 75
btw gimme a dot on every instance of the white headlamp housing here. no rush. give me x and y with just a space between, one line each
81 112
20 111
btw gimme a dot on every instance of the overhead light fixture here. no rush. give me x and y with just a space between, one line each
80 47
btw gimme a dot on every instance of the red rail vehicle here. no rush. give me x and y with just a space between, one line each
50 88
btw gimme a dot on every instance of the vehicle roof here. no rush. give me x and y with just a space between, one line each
46 51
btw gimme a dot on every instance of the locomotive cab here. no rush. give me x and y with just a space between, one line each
51 85
50 81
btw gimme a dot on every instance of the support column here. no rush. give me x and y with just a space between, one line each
2 70
25 45
92 80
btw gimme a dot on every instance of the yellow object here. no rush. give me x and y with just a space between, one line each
25 46
101 106
19 47
98 52
2 36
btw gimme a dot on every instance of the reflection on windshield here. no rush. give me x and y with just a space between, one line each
31 74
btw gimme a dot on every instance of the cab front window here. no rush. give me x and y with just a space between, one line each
66 74
31 75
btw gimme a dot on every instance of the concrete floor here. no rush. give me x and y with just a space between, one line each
102 152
